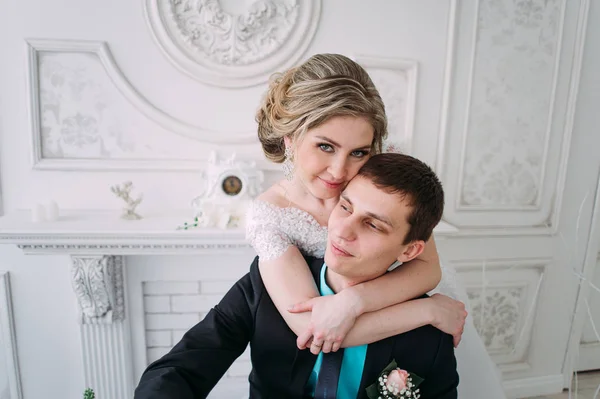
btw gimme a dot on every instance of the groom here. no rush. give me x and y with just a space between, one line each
386 213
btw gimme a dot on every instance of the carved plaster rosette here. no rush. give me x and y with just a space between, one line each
237 48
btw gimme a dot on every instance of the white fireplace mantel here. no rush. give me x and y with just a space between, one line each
105 233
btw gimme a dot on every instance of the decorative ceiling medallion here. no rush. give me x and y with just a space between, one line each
235 46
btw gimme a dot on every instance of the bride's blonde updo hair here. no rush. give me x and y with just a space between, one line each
304 97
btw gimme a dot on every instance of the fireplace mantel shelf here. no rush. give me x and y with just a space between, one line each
105 233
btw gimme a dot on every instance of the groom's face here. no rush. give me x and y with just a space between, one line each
366 231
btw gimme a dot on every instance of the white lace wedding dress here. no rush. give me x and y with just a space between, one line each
271 229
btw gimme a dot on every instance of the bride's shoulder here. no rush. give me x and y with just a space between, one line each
268 207
274 195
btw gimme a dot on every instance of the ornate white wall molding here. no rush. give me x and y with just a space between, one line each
440 166
589 341
512 84
10 381
396 79
511 156
86 115
584 343
98 284
533 386
233 48
503 297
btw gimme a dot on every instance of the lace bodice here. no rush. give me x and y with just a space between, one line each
271 230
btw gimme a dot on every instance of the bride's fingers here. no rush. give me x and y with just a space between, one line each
327 345
304 339
336 346
316 346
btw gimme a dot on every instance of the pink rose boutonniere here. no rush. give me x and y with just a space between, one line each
395 383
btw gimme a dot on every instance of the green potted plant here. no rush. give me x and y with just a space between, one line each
89 394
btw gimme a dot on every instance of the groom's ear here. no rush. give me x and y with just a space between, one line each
412 250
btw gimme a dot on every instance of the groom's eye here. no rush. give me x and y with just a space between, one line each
344 207
373 226
326 147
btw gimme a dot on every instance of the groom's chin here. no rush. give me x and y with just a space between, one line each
333 262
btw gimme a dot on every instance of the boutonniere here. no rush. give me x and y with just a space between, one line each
395 383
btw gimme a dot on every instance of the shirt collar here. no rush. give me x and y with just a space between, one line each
323 287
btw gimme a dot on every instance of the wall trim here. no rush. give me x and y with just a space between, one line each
465 133
102 51
411 69
9 337
548 225
533 386
440 167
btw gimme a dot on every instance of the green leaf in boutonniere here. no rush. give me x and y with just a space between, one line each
395 383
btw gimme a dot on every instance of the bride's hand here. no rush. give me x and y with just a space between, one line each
331 319
448 315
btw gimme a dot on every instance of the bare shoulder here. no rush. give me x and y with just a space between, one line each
274 195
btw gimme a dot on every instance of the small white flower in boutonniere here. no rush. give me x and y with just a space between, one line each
395 383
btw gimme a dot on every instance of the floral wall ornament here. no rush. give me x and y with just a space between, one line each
124 192
511 101
98 284
233 48
397 81
230 39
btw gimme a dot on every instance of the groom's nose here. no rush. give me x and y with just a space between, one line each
346 229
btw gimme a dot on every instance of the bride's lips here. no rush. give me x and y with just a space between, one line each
339 251
330 184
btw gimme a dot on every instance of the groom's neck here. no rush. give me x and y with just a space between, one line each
337 282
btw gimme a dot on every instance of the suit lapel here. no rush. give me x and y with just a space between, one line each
301 369
379 355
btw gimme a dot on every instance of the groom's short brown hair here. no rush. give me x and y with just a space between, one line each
413 181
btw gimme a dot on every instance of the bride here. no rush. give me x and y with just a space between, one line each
323 120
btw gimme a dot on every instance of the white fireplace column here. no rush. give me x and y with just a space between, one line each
99 286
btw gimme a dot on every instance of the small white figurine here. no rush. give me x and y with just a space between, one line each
124 193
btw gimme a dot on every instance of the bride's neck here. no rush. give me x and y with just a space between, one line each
297 194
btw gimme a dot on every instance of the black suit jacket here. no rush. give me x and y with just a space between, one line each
245 315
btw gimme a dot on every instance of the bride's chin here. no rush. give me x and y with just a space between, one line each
324 194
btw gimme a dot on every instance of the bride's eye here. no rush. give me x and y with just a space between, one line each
344 207
326 147
360 154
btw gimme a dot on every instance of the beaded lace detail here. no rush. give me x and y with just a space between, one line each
272 229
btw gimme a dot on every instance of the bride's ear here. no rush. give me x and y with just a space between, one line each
411 251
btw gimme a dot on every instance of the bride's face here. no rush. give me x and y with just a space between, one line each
330 155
